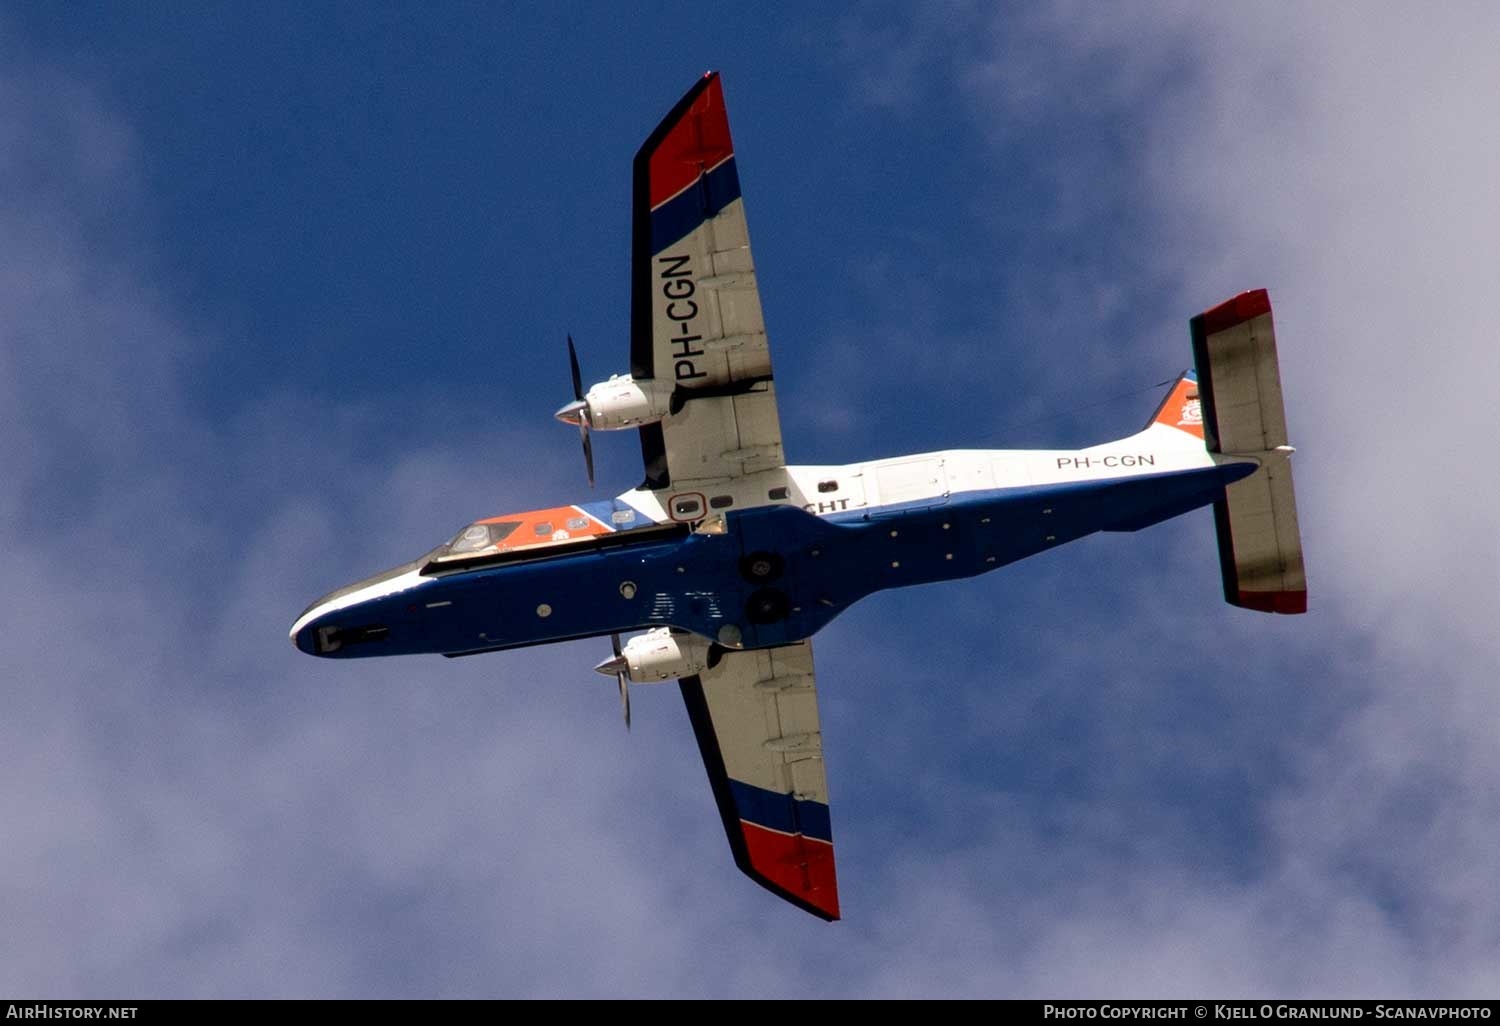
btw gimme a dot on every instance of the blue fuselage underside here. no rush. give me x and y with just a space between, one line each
695 581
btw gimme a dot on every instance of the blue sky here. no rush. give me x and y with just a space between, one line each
282 298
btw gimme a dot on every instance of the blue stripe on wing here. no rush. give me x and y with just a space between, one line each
781 812
679 216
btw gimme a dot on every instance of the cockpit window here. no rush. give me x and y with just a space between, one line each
471 539
480 538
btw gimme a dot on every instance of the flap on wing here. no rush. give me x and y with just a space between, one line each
755 716
695 318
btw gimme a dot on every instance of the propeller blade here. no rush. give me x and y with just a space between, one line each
577 411
573 365
588 449
620 668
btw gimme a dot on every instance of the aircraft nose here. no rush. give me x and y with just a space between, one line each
310 631
302 640
304 631
320 637
352 615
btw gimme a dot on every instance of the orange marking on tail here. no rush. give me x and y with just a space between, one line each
1182 409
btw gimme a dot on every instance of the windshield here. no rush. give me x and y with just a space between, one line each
479 539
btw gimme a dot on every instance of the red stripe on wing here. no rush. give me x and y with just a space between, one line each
801 866
699 141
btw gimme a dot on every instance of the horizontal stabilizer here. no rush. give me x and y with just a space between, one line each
1239 386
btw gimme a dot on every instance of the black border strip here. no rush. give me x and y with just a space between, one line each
718 780
654 456
1228 568
1198 328
558 550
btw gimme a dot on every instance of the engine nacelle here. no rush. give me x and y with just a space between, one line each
663 654
623 402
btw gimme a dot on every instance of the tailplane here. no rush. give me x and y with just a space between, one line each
1239 407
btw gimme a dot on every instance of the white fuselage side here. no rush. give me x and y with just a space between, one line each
919 477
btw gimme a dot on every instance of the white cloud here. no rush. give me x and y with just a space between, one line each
1334 154
191 806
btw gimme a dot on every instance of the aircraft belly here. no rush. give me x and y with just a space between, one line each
685 583
822 566
979 531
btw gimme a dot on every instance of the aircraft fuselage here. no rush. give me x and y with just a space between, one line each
752 576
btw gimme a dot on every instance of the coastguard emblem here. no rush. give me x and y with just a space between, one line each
1192 413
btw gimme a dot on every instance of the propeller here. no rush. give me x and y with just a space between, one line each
573 366
577 411
619 667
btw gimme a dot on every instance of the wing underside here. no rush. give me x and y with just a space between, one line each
755 715
696 320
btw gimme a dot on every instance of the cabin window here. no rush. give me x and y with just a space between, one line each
828 486
777 493
686 507
543 530
721 501
577 523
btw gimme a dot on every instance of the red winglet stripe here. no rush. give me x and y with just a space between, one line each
1243 307
699 141
800 866
1289 602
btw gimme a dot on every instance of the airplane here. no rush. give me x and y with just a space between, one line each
731 560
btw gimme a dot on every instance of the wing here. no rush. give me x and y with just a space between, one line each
756 718
695 318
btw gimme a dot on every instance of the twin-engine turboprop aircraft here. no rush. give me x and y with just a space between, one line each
733 560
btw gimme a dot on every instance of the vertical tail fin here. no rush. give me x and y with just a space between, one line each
1242 414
